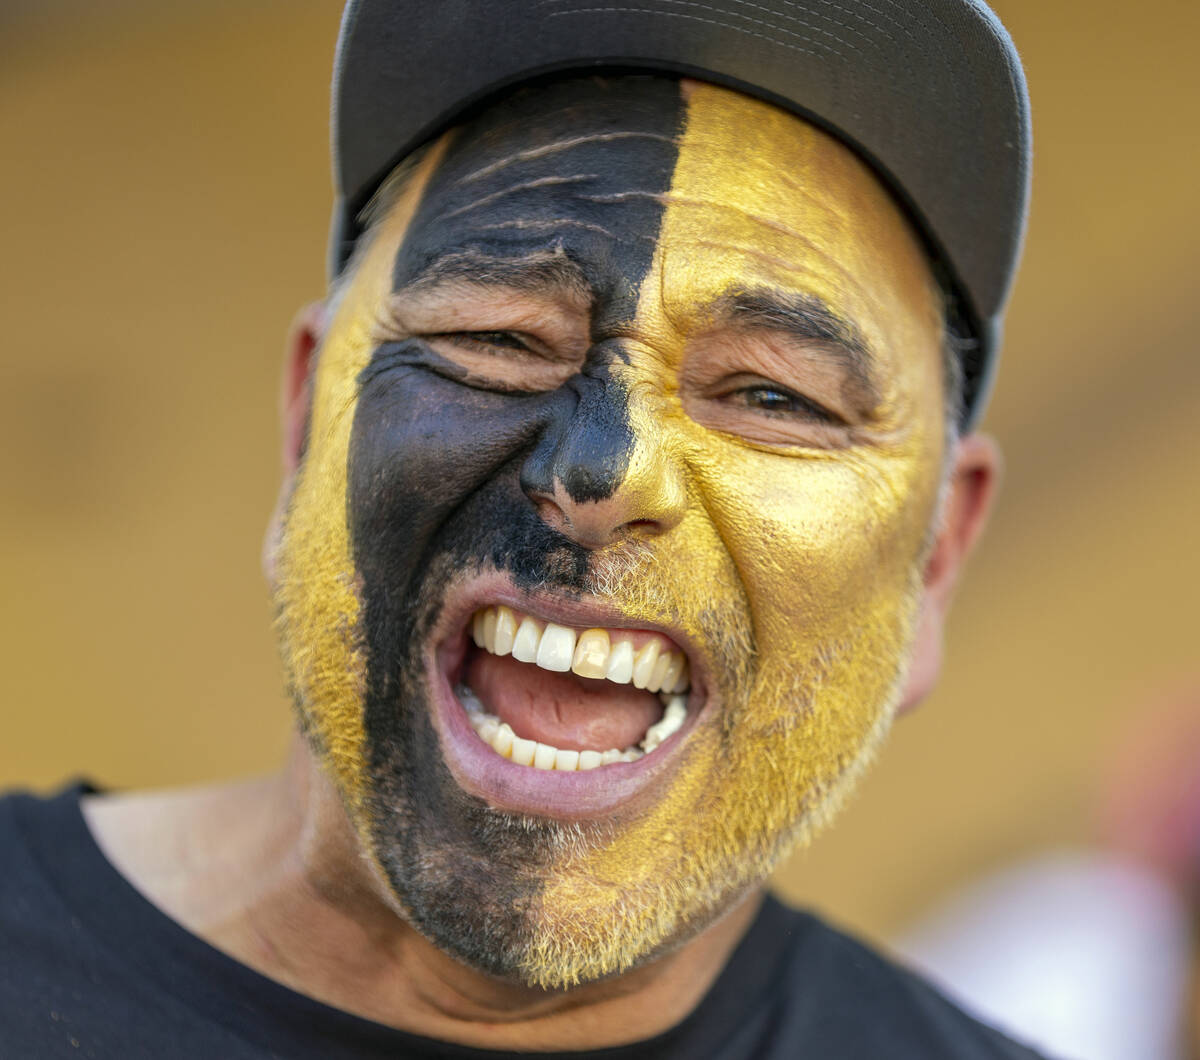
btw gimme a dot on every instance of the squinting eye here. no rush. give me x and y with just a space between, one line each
507 361
780 402
505 340
770 400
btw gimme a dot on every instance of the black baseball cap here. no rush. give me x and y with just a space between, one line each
930 93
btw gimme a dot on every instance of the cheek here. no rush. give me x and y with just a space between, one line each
421 446
317 599
821 543
386 469
434 485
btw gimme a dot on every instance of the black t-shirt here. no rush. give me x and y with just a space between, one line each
90 969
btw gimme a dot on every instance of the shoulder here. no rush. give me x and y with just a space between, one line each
29 823
46 954
846 999
70 933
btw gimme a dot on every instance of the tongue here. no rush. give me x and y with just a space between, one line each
568 712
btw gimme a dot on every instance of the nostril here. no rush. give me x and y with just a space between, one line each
594 524
550 513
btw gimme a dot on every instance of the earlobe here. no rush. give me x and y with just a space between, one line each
971 487
295 405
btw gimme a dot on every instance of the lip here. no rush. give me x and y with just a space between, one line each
503 784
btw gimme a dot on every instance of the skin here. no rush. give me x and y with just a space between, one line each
652 346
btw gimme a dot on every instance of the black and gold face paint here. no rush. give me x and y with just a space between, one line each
639 292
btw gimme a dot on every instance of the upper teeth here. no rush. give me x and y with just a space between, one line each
592 653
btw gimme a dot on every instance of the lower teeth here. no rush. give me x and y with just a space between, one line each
499 736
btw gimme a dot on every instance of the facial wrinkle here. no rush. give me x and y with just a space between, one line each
537 153
764 220
773 262
549 273
802 316
515 189
549 224
627 196
802 191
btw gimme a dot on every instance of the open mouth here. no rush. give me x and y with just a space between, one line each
551 697
551 706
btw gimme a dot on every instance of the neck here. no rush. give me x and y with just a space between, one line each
270 871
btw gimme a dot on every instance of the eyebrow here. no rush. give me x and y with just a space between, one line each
545 274
809 319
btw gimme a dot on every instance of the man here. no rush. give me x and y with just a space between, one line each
627 492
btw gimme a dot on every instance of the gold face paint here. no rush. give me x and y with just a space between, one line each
792 559
811 554
317 597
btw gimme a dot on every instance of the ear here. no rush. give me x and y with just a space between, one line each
295 404
969 493
295 395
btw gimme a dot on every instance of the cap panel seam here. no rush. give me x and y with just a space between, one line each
924 45
799 21
711 22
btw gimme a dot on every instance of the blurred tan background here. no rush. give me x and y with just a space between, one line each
164 196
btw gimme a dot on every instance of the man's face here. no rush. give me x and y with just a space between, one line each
639 357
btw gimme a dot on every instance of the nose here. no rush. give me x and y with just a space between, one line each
604 470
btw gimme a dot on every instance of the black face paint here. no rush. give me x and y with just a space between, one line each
443 476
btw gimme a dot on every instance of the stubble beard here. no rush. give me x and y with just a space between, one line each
472 878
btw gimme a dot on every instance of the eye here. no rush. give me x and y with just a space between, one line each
777 401
486 341
505 360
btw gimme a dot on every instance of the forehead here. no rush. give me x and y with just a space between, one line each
703 190
576 169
